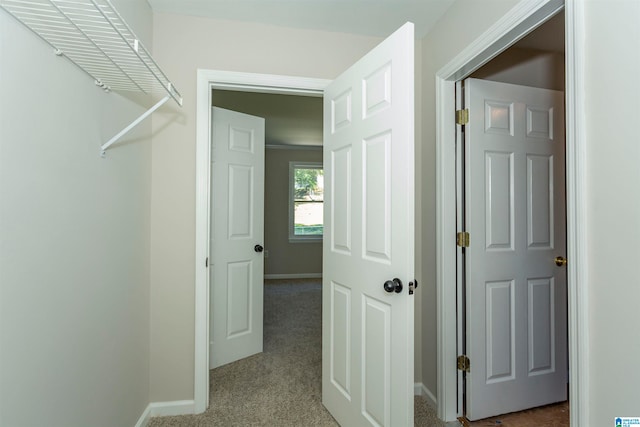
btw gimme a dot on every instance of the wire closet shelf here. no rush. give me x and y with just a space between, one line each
94 37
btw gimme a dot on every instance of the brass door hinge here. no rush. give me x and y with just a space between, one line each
464 364
462 239
462 117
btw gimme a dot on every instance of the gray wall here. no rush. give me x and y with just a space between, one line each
74 240
285 257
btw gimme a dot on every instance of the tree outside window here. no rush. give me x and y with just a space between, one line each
306 191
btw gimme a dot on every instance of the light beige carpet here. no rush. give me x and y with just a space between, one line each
281 386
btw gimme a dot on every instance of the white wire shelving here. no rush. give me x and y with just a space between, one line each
94 37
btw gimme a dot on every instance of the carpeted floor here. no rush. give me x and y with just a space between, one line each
281 386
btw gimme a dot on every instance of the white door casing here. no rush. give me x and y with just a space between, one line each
515 214
237 224
367 371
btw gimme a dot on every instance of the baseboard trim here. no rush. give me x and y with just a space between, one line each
144 418
161 409
294 276
419 389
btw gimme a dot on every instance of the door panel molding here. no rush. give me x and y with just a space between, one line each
523 18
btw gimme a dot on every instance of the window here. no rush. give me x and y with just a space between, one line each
306 201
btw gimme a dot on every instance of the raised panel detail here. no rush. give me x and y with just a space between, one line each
540 201
541 322
341 111
240 140
240 201
341 200
376 188
540 122
498 117
376 91
239 298
340 363
499 201
376 361
500 331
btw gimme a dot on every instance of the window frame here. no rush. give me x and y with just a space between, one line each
293 238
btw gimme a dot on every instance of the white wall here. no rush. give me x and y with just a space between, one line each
613 214
183 44
74 241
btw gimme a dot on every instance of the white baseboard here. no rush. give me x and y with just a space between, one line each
176 407
294 276
419 389
144 418
160 409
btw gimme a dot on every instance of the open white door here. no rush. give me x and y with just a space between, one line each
367 347
515 214
237 218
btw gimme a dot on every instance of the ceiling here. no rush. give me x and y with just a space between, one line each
365 17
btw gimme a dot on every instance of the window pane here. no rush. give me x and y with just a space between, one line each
308 202
308 218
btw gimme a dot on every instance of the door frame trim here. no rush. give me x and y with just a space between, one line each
524 17
206 81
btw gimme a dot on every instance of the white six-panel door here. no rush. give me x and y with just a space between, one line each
367 372
515 213
237 223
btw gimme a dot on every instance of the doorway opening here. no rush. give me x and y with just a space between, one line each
257 199
209 80
293 136
512 199
520 22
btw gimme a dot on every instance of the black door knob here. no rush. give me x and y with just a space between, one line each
394 285
258 248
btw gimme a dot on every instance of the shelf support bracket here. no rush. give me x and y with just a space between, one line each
135 123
